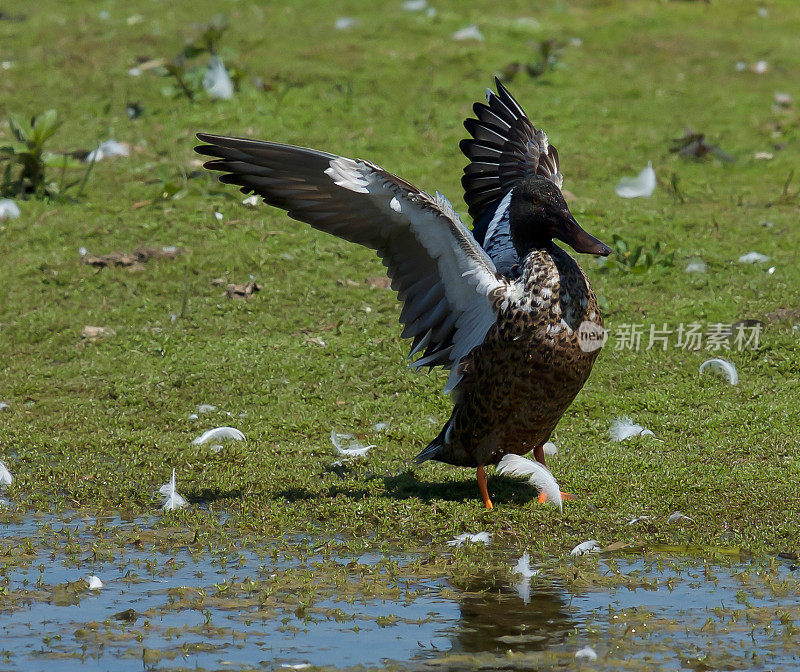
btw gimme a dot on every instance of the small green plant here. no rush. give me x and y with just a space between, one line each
547 52
184 69
636 259
26 159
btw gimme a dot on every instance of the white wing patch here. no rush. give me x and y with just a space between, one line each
348 174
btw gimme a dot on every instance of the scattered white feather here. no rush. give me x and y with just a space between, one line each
722 366
696 266
219 434
740 66
643 185
550 449
218 216
346 23
8 209
638 519
624 428
469 33
4 406
353 449
5 475
172 500
206 408
771 270
193 416
250 201
760 67
783 99
540 476
107 150
217 82
415 5
753 258
677 517
586 653
590 546
135 72
479 538
523 567
380 426
94 582
83 251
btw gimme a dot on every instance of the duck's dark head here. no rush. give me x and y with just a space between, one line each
538 213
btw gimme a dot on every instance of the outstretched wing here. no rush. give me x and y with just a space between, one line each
448 285
505 148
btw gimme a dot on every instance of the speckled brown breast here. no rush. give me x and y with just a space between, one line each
519 382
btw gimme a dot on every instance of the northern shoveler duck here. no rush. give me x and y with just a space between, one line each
499 306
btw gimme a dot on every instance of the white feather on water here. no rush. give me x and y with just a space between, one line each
479 538
723 367
539 476
587 653
217 82
353 449
5 475
523 567
172 500
624 428
219 434
641 186
94 582
590 546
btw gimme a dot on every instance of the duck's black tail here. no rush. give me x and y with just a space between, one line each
435 448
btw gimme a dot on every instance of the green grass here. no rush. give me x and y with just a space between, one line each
100 425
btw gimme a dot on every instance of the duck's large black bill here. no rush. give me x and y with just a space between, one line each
570 232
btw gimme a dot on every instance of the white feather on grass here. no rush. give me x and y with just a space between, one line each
696 266
641 186
219 434
590 546
539 476
415 5
8 209
5 475
206 408
468 33
217 82
172 500
353 449
624 428
678 517
587 653
94 582
479 538
346 23
107 150
550 449
723 367
753 258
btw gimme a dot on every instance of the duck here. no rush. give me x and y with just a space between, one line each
501 306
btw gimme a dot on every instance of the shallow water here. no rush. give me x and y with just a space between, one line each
219 610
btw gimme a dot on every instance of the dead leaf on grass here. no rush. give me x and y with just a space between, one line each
134 260
242 291
94 334
379 282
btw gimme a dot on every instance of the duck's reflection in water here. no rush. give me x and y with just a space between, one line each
517 616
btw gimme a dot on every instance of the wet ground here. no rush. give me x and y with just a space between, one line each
166 605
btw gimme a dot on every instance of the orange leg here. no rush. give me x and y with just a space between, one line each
538 453
483 488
